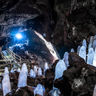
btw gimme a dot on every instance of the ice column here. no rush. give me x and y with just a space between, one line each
18 70
78 49
90 43
39 71
94 60
12 70
32 73
6 82
46 67
82 52
22 81
55 92
94 93
90 56
94 42
39 90
72 50
84 43
59 69
65 58
35 69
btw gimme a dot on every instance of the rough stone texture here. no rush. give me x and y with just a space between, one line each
54 18
79 79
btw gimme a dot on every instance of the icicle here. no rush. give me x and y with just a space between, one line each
35 69
82 52
94 92
22 81
32 73
94 60
90 56
46 67
78 49
6 82
84 43
39 90
59 69
39 71
65 58
72 50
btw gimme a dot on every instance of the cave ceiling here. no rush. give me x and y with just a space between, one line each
68 20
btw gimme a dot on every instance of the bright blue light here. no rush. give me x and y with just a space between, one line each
19 36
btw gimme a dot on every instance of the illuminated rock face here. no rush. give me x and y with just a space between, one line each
22 81
6 82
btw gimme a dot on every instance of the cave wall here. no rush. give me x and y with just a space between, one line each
63 22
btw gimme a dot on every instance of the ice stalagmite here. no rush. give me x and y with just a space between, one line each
65 58
46 67
18 70
55 92
82 52
32 73
94 42
90 43
39 71
59 69
94 92
6 82
78 49
90 56
94 60
35 69
72 50
39 90
22 81
84 43
12 70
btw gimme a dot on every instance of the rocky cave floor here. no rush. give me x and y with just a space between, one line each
65 23
78 80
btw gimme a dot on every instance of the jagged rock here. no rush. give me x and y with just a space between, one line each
25 91
75 60
80 78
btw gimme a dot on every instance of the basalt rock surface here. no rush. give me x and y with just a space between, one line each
79 79
68 20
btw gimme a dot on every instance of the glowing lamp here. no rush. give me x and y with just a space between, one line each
19 36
